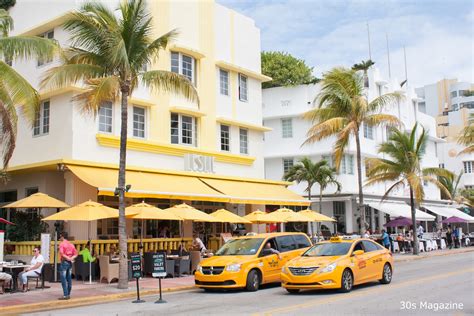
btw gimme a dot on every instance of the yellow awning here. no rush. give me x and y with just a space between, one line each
256 193
148 184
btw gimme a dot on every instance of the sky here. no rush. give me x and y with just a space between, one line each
438 35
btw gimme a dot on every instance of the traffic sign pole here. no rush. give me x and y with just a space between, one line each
161 300
138 300
136 263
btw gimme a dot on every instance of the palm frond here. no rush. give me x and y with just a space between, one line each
70 74
99 90
167 81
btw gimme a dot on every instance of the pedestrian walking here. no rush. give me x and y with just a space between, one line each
449 237
385 239
67 253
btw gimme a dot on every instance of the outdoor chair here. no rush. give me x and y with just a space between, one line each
108 271
421 246
37 278
395 247
82 269
170 268
3 283
443 244
182 266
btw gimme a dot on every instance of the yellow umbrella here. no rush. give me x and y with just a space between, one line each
259 217
146 211
37 200
189 213
316 217
86 211
228 217
290 216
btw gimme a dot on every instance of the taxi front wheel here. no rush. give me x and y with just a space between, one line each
253 281
347 281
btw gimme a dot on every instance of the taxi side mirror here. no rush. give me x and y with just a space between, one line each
358 252
265 252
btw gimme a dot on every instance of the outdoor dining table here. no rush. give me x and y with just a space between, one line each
14 270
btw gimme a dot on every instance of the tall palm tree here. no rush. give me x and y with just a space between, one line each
342 110
403 168
108 54
364 66
467 137
15 91
311 173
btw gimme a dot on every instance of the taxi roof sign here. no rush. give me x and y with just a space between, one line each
335 239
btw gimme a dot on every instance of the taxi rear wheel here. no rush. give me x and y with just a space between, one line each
253 281
386 274
347 281
293 291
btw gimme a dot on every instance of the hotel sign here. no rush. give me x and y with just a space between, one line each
199 163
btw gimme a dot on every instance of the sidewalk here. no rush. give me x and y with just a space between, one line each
83 294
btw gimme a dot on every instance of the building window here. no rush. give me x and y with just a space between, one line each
139 122
285 102
48 35
468 166
287 164
388 131
469 187
455 107
379 90
368 131
347 164
441 165
244 141
184 65
243 88
339 209
225 137
224 81
183 129
454 94
105 117
287 128
463 93
41 124
31 191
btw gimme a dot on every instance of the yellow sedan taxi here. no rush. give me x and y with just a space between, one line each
338 264
249 261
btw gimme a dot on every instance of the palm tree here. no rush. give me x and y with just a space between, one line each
451 183
15 91
342 111
467 137
311 173
109 51
364 66
406 153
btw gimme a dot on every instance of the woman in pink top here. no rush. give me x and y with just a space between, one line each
67 253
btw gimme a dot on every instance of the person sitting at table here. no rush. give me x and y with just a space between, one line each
86 253
112 253
198 244
35 270
7 278
401 242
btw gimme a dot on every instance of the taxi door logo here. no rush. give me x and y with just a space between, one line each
273 263
362 264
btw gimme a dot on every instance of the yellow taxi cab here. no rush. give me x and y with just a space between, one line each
338 264
249 261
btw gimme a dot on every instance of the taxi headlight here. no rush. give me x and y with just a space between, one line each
328 268
283 270
233 267
199 268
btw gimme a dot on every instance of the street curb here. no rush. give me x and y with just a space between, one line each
440 254
76 302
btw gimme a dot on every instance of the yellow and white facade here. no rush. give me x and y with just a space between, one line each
177 150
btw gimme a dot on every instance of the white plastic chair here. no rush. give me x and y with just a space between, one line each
434 244
395 247
421 246
443 244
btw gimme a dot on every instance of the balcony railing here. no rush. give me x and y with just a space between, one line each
101 247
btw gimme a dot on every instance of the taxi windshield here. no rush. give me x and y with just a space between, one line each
328 249
237 247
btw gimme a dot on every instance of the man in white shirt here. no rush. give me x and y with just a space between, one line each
420 231
197 243
35 270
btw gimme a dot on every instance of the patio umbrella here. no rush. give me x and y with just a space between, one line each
86 211
453 220
228 217
4 221
290 216
144 211
41 200
316 217
37 200
399 221
259 217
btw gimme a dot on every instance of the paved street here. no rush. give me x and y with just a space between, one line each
417 286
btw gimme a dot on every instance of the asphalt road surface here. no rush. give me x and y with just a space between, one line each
441 285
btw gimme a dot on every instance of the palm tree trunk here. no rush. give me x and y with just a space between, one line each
123 262
320 210
360 207
413 222
309 207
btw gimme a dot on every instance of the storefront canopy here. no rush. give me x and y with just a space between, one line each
449 212
400 209
188 187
